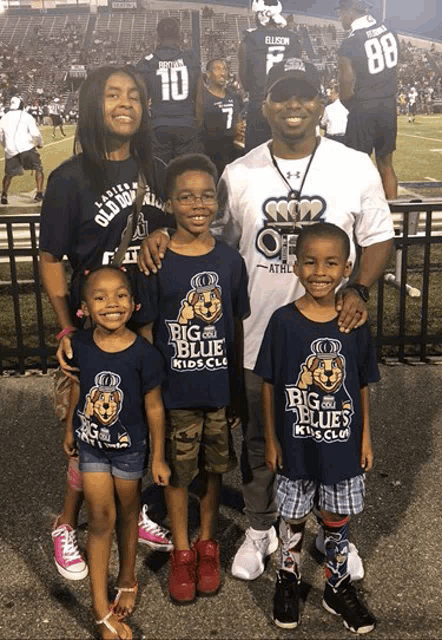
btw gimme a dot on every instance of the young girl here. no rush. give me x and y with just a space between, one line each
119 385
84 213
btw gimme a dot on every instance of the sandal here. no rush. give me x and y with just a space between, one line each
121 590
111 628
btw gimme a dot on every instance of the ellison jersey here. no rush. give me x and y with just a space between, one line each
171 75
317 373
265 47
110 413
256 216
374 51
193 301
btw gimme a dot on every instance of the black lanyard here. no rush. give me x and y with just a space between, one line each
293 194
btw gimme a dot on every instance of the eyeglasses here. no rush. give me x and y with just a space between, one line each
189 199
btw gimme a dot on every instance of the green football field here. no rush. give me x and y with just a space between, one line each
418 156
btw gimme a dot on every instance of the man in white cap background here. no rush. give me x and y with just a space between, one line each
56 116
20 136
367 62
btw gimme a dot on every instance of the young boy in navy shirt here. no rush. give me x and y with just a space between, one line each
198 300
316 411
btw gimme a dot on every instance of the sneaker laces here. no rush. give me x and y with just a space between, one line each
152 527
350 597
253 543
71 550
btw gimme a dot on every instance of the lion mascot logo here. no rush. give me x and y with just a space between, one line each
102 408
324 368
203 301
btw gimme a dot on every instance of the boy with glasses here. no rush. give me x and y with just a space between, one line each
198 300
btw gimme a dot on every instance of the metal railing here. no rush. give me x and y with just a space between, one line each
27 325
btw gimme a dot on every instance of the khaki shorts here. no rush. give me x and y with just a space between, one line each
198 439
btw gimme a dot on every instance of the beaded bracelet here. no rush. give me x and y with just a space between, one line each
64 332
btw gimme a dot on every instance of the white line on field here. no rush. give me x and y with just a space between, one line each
431 179
410 135
51 144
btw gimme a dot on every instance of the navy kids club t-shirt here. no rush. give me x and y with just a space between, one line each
193 302
317 372
110 412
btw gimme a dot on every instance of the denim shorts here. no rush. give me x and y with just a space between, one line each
130 465
296 498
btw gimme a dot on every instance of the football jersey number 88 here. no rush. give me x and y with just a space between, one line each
174 83
381 52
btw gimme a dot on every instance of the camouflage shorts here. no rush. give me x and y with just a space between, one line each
198 439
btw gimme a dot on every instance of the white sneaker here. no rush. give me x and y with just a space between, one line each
248 563
355 566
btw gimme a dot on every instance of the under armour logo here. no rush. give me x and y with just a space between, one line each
296 175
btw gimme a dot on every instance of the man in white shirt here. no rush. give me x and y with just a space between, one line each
20 136
266 197
335 117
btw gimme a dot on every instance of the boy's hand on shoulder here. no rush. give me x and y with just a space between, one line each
367 456
273 454
352 310
161 472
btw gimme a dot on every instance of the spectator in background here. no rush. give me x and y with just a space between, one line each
20 136
222 115
334 120
367 62
176 92
268 43
55 113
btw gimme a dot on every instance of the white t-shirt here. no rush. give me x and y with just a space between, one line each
19 132
255 215
335 117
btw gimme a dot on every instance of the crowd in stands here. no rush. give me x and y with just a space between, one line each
36 69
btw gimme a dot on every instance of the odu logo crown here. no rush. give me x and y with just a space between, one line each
286 217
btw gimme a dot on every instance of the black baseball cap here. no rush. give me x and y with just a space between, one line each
294 75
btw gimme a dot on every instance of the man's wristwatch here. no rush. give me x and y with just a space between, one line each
363 291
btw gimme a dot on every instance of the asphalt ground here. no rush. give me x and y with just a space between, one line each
398 535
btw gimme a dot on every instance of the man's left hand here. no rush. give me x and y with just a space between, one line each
352 310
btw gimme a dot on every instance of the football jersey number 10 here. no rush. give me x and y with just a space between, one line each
381 52
174 83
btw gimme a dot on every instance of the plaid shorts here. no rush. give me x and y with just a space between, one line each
198 439
296 498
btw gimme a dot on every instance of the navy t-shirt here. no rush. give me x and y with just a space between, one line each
264 47
317 373
110 413
193 301
220 115
86 226
171 76
374 53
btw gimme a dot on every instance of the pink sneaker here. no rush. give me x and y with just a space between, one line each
153 534
68 558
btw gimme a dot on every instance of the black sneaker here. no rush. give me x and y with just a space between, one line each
4 199
342 600
38 196
286 600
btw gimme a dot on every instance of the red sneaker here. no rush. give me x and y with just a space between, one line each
208 578
182 577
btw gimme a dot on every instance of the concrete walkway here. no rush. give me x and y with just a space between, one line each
399 534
